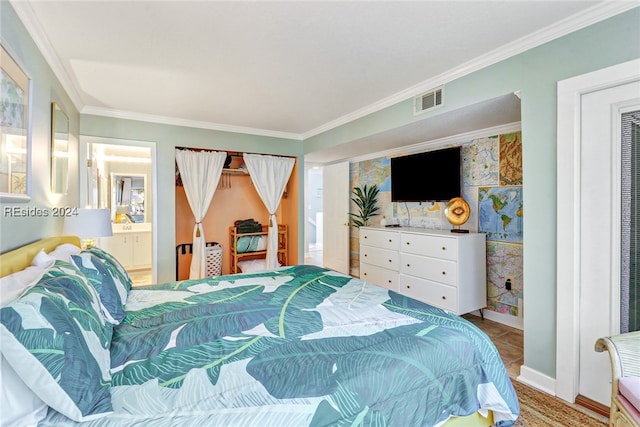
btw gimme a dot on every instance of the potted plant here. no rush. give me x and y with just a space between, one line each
365 198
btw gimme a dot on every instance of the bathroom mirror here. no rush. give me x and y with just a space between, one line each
59 149
128 198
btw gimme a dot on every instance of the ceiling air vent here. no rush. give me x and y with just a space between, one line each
427 101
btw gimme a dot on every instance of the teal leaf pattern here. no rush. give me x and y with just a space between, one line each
186 327
113 266
60 323
300 345
100 278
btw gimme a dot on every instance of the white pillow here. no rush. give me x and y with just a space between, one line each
19 406
15 284
62 252
43 260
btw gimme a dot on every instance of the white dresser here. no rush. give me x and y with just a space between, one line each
444 269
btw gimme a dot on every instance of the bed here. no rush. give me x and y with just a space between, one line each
295 346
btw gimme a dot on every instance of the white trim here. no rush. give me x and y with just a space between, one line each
505 319
561 28
28 17
129 115
537 380
570 92
458 139
597 13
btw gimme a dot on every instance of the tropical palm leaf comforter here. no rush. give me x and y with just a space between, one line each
297 346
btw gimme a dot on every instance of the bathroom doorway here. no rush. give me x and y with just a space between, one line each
120 175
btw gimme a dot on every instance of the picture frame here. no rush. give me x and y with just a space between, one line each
59 149
15 130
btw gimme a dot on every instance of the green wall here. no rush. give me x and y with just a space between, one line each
45 89
535 74
166 139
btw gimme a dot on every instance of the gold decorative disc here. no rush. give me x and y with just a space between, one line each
457 211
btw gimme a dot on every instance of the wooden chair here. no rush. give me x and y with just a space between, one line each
624 351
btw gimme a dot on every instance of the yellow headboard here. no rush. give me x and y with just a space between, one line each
19 259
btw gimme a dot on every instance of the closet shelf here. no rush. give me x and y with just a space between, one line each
241 172
236 257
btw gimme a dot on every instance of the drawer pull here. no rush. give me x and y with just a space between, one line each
443 297
444 248
365 255
389 260
408 265
390 240
389 280
408 243
444 273
365 274
408 287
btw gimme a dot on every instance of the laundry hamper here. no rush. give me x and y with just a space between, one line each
213 260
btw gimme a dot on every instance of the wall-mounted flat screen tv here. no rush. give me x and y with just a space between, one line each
426 177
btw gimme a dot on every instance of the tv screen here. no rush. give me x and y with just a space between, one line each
426 177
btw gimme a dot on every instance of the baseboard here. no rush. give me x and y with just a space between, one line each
593 406
505 319
537 380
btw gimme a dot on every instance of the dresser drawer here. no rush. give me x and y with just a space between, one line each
433 293
380 238
439 270
385 258
379 276
432 246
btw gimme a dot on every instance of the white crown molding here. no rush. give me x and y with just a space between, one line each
563 27
128 115
34 28
458 139
568 25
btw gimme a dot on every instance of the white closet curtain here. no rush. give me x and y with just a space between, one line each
269 175
200 172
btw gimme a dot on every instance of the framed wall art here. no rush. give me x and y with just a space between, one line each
15 129
59 149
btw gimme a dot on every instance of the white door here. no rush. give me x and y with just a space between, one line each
335 207
600 230
588 226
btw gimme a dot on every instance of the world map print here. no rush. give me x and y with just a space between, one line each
504 263
376 171
481 162
423 215
511 159
501 213
470 194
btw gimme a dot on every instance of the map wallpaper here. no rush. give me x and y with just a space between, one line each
492 185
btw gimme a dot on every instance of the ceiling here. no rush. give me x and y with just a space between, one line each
288 68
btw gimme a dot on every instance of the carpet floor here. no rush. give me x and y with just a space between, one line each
538 409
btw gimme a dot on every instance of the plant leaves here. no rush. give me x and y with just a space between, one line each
365 198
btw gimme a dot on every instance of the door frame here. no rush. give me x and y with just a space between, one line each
569 142
84 141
